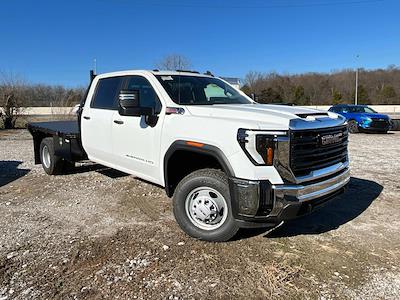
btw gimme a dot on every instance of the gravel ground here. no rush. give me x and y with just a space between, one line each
97 233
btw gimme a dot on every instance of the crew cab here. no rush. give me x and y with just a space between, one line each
227 161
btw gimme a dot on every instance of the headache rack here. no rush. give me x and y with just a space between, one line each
314 149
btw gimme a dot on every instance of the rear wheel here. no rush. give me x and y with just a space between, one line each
353 127
202 206
51 163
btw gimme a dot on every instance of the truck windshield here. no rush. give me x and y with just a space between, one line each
195 90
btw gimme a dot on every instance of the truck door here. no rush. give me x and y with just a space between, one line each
97 118
136 145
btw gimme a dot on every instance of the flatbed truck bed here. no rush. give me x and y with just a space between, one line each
60 128
66 136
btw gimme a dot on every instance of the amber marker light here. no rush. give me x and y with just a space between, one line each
270 156
194 144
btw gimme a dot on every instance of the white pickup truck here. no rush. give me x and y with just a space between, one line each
227 161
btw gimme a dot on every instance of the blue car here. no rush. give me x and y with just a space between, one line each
362 118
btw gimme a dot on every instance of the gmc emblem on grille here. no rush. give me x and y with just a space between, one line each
331 138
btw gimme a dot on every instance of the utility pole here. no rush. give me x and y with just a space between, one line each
356 93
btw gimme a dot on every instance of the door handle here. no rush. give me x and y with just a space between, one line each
86 117
119 122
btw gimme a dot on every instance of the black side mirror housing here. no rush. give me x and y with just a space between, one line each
129 104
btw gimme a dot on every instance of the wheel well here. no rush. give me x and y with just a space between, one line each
184 162
37 139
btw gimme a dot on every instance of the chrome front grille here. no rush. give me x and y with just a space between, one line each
314 149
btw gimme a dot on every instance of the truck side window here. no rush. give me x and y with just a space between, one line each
147 94
106 93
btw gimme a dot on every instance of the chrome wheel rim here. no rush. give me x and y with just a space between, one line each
46 156
206 208
352 126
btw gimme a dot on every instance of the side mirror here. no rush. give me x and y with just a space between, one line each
129 104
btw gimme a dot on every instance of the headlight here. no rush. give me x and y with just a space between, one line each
259 146
366 120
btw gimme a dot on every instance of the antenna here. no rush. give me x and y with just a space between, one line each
95 66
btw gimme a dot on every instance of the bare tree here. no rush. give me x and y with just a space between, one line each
62 98
253 80
11 99
174 62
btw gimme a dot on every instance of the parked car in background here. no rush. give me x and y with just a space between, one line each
362 118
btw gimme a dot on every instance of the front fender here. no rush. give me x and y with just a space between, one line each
201 148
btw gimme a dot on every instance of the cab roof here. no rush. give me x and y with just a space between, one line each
154 72
180 72
341 105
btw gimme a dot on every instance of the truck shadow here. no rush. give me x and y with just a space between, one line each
9 171
112 173
357 198
90 167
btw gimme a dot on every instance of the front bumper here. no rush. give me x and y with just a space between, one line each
378 126
374 129
259 203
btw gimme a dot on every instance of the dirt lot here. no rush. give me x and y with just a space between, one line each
98 233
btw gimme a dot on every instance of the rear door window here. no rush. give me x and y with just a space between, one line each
106 93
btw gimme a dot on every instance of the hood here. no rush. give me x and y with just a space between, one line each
374 115
268 116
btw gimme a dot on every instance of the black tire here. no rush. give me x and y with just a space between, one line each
353 126
210 178
55 164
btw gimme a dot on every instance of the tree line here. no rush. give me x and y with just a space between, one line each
16 94
381 86
34 95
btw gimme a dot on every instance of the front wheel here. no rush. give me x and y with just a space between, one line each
202 206
353 127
